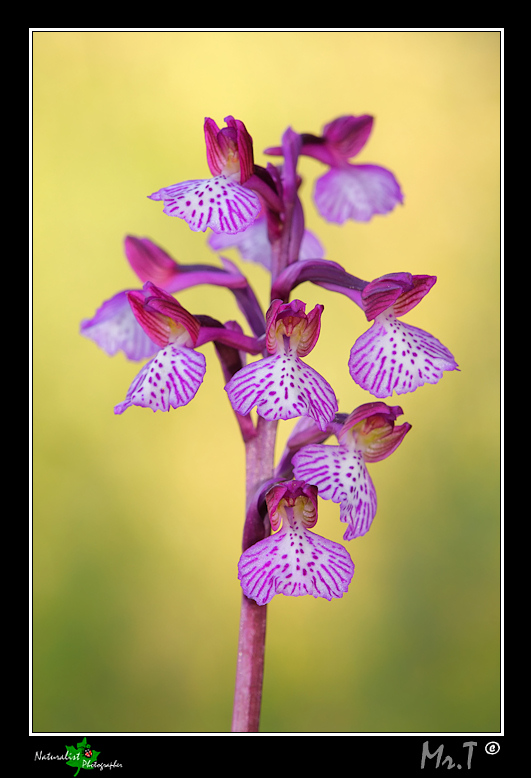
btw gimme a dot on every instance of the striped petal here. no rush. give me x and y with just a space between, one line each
171 379
340 475
218 203
282 386
396 357
356 192
114 328
295 562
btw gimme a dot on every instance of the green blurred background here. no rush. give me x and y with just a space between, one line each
138 518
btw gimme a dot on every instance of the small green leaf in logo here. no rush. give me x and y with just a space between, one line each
82 756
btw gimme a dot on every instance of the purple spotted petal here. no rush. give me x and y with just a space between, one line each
114 328
282 387
169 380
356 192
341 476
396 357
218 203
295 562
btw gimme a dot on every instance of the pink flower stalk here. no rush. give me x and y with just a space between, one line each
340 473
393 356
224 202
282 386
171 379
348 191
294 561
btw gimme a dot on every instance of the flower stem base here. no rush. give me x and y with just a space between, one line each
259 454
250 668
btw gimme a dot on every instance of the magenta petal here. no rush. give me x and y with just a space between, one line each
171 379
282 387
356 192
215 157
383 292
348 134
218 203
114 328
340 475
396 357
150 262
295 562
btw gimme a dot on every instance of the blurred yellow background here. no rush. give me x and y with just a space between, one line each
138 518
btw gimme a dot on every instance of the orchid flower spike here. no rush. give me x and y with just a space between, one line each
348 191
224 202
282 386
340 473
171 379
392 356
294 561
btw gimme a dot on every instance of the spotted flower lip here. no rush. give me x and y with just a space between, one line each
368 434
222 203
282 386
170 380
216 203
393 356
294 561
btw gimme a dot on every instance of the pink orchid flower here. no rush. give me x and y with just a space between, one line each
294 561
393 356
171 379
222 203
282 386
348 191
340 473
